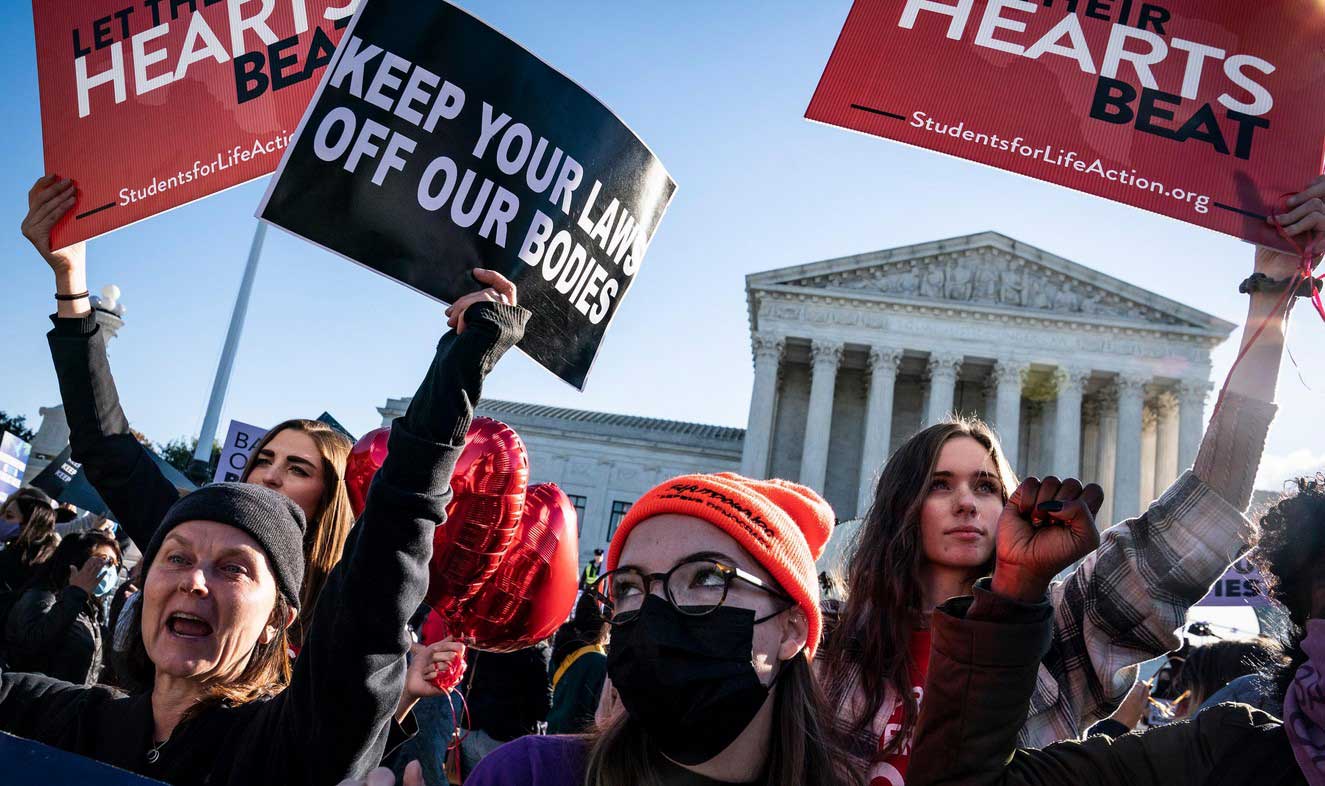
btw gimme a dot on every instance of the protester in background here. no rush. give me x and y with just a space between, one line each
711 592
1210 668
986 659
222 585
592 570
303 459
119 627
34 512
929 534
11 520
58 625
579 667
508 695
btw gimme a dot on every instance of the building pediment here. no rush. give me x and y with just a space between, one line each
989 272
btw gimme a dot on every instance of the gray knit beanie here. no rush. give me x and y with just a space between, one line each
269 517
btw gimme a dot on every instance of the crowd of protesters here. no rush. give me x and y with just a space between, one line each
986 629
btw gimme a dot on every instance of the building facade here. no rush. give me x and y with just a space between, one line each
1080 373
604 462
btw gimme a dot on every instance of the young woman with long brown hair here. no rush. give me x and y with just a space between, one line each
303 459
34 543
930 533
713 600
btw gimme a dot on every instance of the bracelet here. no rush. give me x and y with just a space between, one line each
75 296
1259 282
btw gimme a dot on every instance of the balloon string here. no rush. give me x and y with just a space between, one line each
1307 253
456 737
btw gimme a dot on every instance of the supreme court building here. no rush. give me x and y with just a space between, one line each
1080 373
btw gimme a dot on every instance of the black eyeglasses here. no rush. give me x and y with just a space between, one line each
695 587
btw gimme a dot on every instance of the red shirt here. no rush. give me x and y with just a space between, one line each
890 770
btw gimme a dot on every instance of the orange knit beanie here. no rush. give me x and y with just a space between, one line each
783 525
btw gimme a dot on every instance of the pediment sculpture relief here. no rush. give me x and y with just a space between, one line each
994 278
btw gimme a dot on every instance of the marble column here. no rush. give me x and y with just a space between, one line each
1106 460
883 365
1127 468
1191 420
826 356
1090 440
1067 422
1166 441
943 370
1149 426
763 404
1008 378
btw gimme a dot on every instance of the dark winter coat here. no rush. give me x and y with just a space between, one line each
508 693
58 634
985 654
334 718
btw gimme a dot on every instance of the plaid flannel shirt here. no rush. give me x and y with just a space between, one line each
1120 607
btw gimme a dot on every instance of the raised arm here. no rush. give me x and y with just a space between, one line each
984 664
1123 603
348 678
982 672
117 465
1230 453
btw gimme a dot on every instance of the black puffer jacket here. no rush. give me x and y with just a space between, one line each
58 634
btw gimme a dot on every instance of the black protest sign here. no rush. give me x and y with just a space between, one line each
436 145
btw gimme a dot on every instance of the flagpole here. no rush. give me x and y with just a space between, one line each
202 455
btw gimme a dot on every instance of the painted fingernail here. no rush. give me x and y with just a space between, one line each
1052 506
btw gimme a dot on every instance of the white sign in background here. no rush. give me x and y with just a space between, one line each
14 454
239 441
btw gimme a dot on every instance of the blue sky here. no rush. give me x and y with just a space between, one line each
718 90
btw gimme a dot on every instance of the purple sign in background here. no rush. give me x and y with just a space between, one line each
1241 585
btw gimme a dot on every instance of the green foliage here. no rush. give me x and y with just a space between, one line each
16 425
178 453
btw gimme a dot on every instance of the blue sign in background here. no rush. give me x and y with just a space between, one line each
14 454
28 763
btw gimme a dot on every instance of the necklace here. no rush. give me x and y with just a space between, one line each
154 753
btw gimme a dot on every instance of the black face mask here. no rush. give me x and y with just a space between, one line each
690 681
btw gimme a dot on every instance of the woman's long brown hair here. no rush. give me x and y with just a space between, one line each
324 538
802 749
36 540
884 583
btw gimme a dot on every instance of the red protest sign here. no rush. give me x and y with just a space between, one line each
1207 111
151 104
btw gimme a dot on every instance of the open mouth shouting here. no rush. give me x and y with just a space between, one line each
188 626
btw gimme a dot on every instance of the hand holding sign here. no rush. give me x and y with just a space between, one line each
499 290
1305 219
49 199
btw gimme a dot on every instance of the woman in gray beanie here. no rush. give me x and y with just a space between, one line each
221 588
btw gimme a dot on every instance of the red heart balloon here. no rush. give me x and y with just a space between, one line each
533 590
365 459
505 566
488 488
